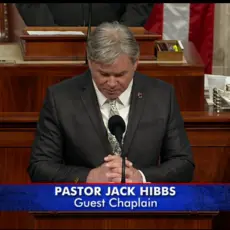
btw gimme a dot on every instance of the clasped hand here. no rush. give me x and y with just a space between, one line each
111 171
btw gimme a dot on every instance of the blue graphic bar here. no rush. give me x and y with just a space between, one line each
114 197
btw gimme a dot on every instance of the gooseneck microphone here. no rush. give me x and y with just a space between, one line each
88 28
117 127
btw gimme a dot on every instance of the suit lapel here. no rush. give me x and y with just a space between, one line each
136 109
90 102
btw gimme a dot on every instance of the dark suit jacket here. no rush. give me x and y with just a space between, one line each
71 138
76 14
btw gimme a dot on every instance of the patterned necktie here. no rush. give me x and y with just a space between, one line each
112 139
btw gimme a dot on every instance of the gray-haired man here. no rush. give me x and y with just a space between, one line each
72 140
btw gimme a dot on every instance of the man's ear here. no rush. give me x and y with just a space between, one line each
89 64
136 64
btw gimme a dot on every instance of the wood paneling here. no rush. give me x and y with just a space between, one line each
23 86
23 89
125 221
16 220
13 164
212 164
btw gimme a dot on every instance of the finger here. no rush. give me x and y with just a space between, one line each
113 164
112 175
129 172
111 157
118 163
118 158
118 170
128 163
116 180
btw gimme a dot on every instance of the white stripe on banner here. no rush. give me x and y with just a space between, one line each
176 21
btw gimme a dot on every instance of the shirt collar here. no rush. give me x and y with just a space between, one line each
124 98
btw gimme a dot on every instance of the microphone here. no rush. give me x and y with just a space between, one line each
117 127
88 28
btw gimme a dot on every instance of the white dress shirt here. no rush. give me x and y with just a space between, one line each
122 104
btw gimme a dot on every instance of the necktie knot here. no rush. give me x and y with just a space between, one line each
113 108
112 103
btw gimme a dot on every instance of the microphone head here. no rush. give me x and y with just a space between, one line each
116 123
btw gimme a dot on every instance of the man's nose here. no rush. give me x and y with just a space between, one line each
112 82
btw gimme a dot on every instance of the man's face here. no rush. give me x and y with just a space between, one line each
112 80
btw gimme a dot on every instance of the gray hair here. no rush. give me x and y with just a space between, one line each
109 40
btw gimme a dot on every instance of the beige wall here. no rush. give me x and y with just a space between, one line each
221 58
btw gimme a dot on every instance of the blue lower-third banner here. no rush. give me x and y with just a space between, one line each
114 197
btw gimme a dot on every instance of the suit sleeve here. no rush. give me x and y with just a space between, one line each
136 14
47 161
177 164
35 14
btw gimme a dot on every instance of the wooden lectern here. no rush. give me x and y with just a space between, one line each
132 220
73 47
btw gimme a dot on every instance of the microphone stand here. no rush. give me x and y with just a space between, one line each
123 179
89 28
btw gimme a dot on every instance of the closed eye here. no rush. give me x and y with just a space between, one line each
105 74
120 74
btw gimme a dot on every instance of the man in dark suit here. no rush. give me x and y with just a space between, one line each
76 14
73 142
